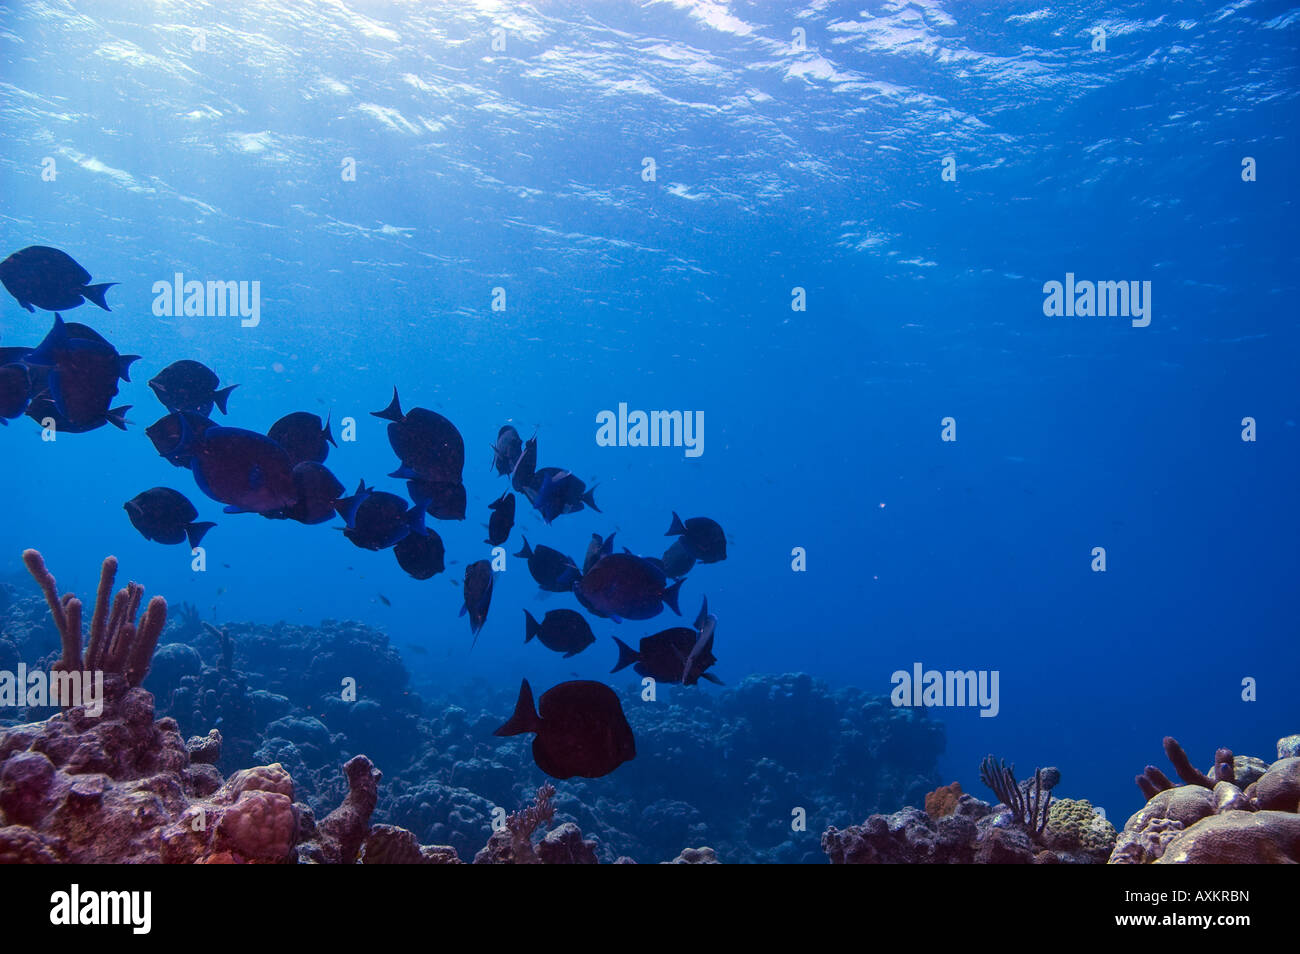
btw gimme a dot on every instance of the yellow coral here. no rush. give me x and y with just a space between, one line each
1074 823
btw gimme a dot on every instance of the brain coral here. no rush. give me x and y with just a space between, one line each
1075 823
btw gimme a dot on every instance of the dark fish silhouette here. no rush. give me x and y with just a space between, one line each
303 437
81 371
478 594
597 548
190 386
428 445
42 409
506 451
561 631
677 655
49 279
623 586
554 492
317 490
421 556
703 538
552 570
247 471
678 560
166 434
521 477
502 520
15 383
164 515
580 726
440 499
377 520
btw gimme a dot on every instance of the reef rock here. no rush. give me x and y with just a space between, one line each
390 845
124 788
1236 837
694 856
1279 788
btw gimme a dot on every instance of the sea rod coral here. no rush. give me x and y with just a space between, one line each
118 643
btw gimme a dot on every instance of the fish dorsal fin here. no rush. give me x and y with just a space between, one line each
704 615
391 413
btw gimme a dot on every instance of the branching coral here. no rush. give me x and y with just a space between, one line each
513 844
1153 781
118 643
1029 804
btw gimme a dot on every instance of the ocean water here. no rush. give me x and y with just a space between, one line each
799 270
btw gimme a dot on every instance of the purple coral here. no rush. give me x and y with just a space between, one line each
1152 781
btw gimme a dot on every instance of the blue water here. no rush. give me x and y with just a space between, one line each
820 169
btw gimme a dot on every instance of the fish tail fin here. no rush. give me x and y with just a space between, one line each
670 596
196 531
326 433
626 655
678 528
526 553
525 718
117 416
531 626
415 521
391 413
222 396
404 472
589 498
124 362
95 293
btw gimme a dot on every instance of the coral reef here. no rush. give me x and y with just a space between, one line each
1228 821
742 769
724 768
957 828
